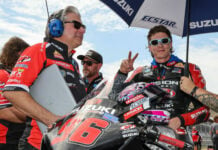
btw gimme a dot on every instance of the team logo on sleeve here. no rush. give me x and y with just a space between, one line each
181 65
17 73
24 59
58 55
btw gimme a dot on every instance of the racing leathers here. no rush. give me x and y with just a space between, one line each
10 132
167 76
30 64
93 84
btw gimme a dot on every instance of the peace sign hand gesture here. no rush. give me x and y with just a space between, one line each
127 64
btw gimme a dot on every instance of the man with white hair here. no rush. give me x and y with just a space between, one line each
64 32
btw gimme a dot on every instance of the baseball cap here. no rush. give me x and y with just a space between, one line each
93 55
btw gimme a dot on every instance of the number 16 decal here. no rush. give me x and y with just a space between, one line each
88 131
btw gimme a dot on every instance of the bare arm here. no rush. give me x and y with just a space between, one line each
25 103
12 114
207 98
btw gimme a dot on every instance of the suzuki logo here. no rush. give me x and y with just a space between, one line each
204 24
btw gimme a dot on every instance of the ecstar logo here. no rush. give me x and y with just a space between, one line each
159 21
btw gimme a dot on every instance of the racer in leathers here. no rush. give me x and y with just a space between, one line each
58 50
166 70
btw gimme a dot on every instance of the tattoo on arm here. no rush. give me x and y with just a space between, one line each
209 100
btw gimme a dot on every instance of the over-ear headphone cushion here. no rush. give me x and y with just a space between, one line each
56 27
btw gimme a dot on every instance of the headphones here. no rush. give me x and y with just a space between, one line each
55 24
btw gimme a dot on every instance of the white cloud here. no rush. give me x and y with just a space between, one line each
108 21
84 48
215 40
27 20
27 7
81 50
110 69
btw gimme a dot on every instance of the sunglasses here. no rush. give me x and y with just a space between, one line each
155 42
77 25
88 63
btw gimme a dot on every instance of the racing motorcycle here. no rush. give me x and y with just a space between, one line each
126 122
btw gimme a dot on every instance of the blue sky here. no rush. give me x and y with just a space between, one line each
106 33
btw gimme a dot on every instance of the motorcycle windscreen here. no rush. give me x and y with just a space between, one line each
93 127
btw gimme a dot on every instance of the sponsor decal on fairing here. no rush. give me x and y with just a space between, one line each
128 126
130 133
110 117
134 99
143 101
98 108
133 112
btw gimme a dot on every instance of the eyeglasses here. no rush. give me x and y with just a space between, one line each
155 42
77 25
89 63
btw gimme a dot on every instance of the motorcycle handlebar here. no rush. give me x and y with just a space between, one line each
175 142
154 135
171 141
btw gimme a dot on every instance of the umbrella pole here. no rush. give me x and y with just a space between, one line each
47 8
186 73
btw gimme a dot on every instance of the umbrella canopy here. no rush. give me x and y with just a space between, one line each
200 15
171 13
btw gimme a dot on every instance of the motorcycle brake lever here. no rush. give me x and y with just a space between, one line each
188 146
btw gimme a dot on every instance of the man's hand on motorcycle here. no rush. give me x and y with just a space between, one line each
127 64
54 120
174 123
